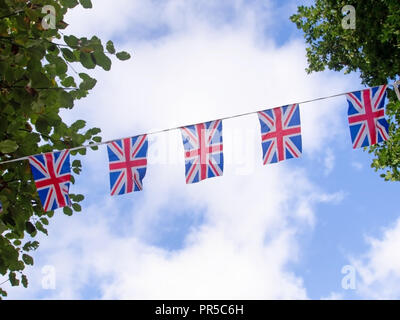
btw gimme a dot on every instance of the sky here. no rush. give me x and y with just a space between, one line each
324 226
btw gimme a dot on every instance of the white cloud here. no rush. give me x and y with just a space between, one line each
140 18
241 251
357 165
378 270
329 161
252 216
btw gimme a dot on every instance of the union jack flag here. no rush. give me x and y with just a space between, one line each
52 174
280 133
128 164
366 115
203 151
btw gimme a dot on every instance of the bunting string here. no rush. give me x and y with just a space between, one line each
179 127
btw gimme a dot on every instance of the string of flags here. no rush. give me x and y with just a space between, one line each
203 147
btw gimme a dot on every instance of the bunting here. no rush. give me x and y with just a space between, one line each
281 139
203 151
280 133
52 174
366 116
128 164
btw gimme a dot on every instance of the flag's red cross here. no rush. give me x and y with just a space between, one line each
54 180
128 164
280 133
369 116
204 149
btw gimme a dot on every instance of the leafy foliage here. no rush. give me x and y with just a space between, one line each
372 48
35 85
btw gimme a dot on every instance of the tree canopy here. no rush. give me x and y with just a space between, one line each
37 80
372 48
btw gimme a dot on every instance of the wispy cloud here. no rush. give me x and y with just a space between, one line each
378 269
329 161
357 165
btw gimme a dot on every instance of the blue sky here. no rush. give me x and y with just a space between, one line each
259 232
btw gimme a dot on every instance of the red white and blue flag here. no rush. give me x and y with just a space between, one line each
366 115
52 175
280 133
128 164
203 151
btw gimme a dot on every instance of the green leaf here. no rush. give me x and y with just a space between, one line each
69 3
8 146
79 197
30 246
3 227
40 227
40 80
61 66
13 279
76 163
110 47
76 207
87 4
68 55
66 99
68 211
27 259
86 60
93 131
102 60
68 82
72 41
3 293
30 228
88 82
42 126
82 151
24 281
123 55
77 125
